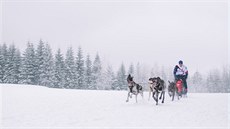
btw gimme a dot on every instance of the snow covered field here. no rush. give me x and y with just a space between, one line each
41 107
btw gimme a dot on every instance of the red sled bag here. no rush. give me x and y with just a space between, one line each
179 85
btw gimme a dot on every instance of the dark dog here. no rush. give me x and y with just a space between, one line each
172 89
134 89
157 86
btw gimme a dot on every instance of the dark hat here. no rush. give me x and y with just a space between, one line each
180 62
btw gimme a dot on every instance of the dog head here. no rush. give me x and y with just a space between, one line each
171 85
155 81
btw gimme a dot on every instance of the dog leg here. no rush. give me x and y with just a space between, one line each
136 97
178 95
128 97
157 98
153 96
163 97
149 94
170 94
173 95
142 95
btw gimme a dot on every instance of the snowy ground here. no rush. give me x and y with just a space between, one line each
41 107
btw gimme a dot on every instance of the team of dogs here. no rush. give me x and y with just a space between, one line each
157 89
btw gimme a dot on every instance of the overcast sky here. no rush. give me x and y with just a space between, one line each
148 32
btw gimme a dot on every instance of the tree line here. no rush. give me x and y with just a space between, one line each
38 66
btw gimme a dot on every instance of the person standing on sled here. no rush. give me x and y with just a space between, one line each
130 82
181 72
